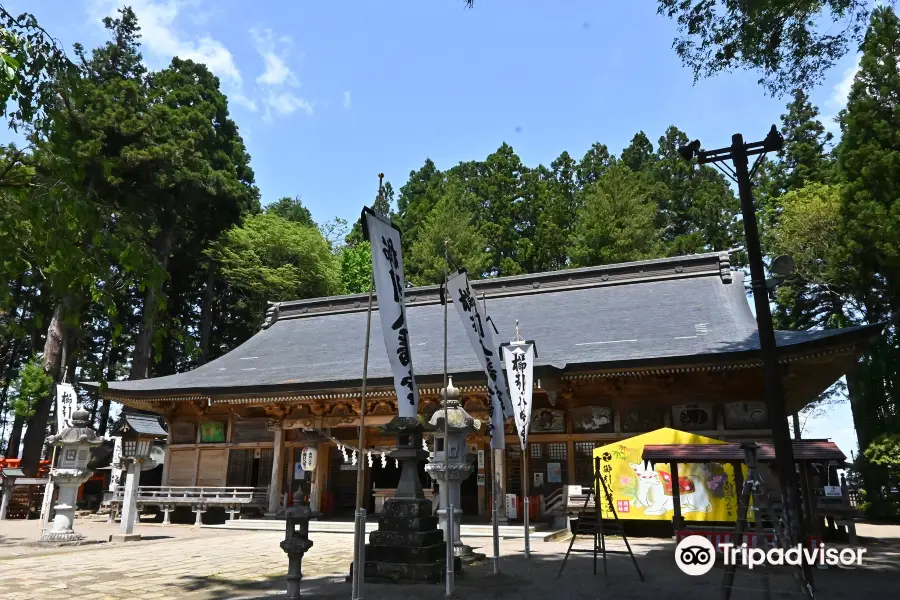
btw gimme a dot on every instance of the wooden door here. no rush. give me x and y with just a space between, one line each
181 468
213 468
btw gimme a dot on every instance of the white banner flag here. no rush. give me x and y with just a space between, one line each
115 472
460 292
387 269
518 358
66 398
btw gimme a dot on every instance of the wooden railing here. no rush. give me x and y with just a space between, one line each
169 495
555 502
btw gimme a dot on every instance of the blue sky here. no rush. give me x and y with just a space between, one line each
329 94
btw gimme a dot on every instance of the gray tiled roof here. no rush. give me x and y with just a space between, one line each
680 310
145 424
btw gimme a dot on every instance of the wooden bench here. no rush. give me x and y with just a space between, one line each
199 498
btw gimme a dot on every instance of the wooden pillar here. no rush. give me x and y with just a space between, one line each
168 459
196 457
277 465
677 520
570 463
320 480
738 482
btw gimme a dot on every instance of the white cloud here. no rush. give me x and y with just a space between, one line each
841 89
274 54
283 104
244 101
161 37
277 79
346 99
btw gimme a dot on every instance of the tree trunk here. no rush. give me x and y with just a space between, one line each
143 345
15 438
111 362
104 356
206 317
54 348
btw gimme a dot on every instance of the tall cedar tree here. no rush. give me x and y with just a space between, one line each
869 159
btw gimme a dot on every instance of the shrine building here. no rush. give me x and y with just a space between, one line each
622 349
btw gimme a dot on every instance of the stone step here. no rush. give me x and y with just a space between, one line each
537 532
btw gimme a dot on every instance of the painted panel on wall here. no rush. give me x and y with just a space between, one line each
641 491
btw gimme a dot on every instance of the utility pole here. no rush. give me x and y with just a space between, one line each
738 153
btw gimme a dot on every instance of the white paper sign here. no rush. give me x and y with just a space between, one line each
481 459
479 333
511 507
387 270
833 491
518 358
66 398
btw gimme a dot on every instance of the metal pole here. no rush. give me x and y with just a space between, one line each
781 438
495 514
527 501
450 527
359 540
448 509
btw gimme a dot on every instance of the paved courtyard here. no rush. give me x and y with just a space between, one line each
179 562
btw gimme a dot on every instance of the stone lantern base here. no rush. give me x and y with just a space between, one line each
408 546
71 536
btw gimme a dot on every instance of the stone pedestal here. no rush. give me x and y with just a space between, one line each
67 481
130 512
408 546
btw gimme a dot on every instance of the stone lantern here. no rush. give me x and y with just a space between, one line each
450 476
70 472
137 433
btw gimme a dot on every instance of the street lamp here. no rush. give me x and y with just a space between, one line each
738 154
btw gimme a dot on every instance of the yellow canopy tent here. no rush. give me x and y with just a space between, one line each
644 492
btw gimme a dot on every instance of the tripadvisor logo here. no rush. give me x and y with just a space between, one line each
696 555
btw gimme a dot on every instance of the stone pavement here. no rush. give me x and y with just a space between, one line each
186 563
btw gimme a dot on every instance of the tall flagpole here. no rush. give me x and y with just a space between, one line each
526 456
359 537
495 487
448 508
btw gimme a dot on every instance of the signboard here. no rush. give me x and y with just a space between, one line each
348 467
548 420
390 285
554 472
518 357
212 432
511 506
833 491
460 293
65 405
481 479
538 479
298 471
644 492
481 459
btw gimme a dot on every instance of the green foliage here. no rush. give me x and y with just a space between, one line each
450 225
31 65
32 385
809 230
884 451
291 209
617 222
356 268
790 43
271 258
